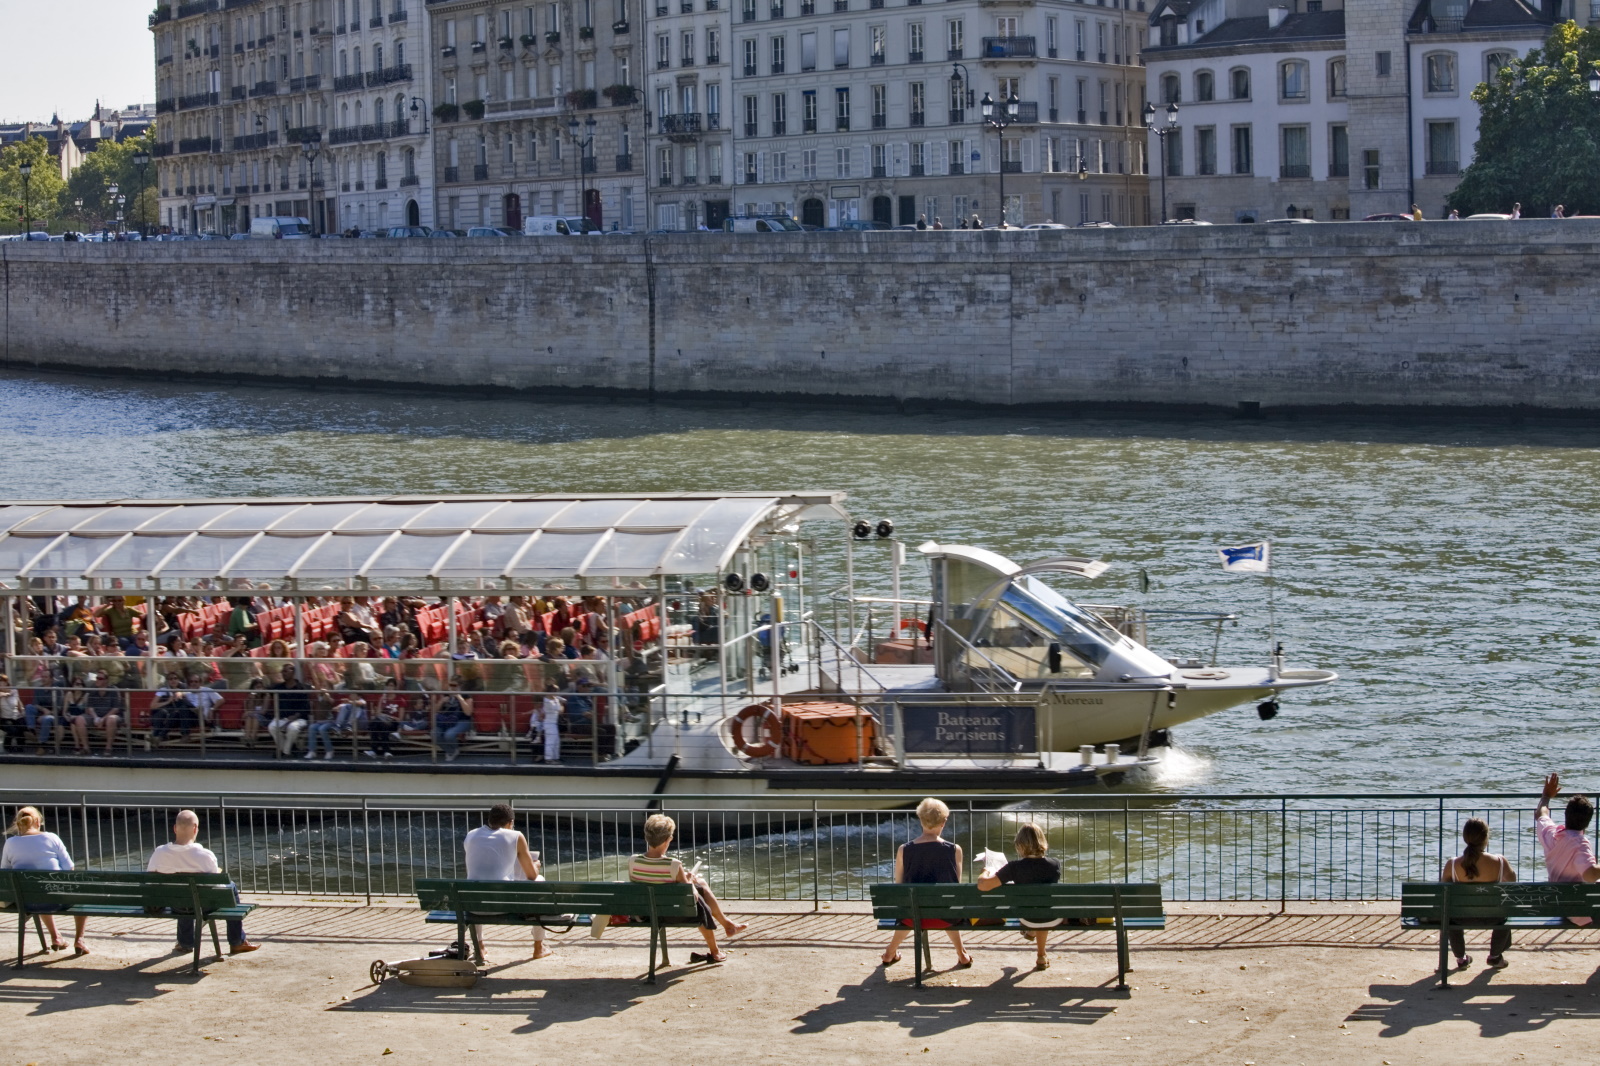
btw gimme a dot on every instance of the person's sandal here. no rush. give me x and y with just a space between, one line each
888 962
78 948
965 965
58 945
1041 964
1463 961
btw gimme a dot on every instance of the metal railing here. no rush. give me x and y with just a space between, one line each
1262 848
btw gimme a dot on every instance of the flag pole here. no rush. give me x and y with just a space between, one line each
1272 620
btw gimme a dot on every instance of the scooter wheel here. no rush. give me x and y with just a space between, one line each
378 972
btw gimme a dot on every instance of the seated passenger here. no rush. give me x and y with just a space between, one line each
497 852
99 707
452 720
29 847
185 856
1474 866
1031 868
654 868
293 699
928 860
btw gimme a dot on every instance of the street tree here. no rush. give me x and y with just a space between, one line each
39 195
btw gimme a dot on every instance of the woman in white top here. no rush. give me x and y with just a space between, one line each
12 722
1475 866
29 847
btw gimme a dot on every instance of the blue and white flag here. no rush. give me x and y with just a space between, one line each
1247 559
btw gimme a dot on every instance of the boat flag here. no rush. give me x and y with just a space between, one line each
1247 559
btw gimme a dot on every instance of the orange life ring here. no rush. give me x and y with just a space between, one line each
764 737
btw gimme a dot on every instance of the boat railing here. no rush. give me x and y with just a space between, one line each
1135 622
841 666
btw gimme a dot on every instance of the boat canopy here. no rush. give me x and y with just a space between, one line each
396 542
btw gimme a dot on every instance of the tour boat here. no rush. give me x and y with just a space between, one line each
741 651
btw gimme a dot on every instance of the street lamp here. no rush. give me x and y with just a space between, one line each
1594 81
26 170
419 112
583 145
141 159
1162 133
958 91
121 229
311 147
111 197
998 121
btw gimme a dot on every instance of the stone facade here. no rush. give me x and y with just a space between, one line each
1489 314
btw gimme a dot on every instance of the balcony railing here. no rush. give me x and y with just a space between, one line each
681 124
749 177
957 116
185 103
808 125
749 129
876 59
1011 166
880 122
749 70
957 166
779 127
253 141
917 118
777 66
1294 170
880 172
302 134
840 6
1339 170
713 120
1436 167
624 163
917 170
590 165
954 53
198 144
914 57
389 75
480 172
265 88
397 16
842 125
808 7
1206 168
452 174
372 131
1009 48
347 82
407 180
237 92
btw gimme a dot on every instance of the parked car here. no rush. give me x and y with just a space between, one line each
1289 221
761 224
1046 225
858 225
448 233
556 226
1388 216
281 228
1185 222
1096 225
492 231
399 232
246 236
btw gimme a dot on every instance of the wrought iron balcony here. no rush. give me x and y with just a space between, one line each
681 124
1009 48
1294 170
624 163
1436 167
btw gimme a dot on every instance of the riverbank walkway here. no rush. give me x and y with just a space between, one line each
1223 983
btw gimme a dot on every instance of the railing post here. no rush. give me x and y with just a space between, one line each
222 842
816 860
1283 854
83 813
1127 861
366 844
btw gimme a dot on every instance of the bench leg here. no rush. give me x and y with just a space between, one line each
195 966
38 928
654 932
215 943
1444 955
1122 957
920 948
22 934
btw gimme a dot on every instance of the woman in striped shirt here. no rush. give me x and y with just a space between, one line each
655 868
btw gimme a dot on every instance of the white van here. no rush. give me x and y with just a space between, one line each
281 228
556 226
761 224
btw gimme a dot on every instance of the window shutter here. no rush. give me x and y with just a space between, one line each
1027 155
761 167
902 159
936 158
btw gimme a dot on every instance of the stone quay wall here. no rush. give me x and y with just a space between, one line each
1431 315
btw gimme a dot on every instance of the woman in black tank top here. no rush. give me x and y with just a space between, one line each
929 860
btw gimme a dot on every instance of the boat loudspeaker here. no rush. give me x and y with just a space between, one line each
759 582
1267 711
862 529
884 529
733 583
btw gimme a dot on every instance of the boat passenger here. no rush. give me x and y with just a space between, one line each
1032 867
452 720
29 847
497 852
655 868
257 711
1475 866
928 860
12 721
100 706
293 710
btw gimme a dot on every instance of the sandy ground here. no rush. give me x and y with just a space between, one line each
801 989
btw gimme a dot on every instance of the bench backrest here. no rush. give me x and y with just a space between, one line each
1426 900
556 897
131 888
1036 903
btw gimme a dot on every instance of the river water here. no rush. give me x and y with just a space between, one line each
1446 570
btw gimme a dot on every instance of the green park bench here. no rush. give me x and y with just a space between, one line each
1121 906
208 898
1514 905
556 904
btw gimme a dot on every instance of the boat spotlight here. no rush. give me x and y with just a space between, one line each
1267 711
862 529
733 583
759 582
884 529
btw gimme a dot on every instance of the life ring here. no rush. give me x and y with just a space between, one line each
765 737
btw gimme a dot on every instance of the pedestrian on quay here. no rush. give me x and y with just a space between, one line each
1475 866
1568 854
495 851
1516 210
922 221
1560 211
936 223
185 856
928 860
1455 216
1416 213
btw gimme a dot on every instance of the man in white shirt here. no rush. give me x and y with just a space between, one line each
184 856
497 852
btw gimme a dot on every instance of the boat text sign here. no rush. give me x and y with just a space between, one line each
969 730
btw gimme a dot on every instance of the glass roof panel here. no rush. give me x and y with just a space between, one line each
454 514
483 554
186 519
341 555
523 514
385 516
137 556
592 514
270 558
252 518
121 519
17 513
62 519
630 554
412 555
71 556
664 514
16 551
556 554
707 544
318 517
202 557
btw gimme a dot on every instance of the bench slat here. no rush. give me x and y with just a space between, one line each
555 898
1426 900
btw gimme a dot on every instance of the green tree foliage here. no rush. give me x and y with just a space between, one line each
42 190
1538 132
111 164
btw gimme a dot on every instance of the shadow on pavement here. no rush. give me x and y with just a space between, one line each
66 983
935 1009
1496 1006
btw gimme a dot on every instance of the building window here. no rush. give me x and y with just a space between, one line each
713 48
1242 162
841 109
841 48
954 38
1239 83
663 51
1338 152
914 42
808 51
1174 147
686 46
1170 91
1444 157
808 164
808 110
1369 166
841 162
1205 150
1441 67
749 57
750 116
780 116
1205 88
1336 77
880 107
1381 62
1494 63
1294 79
778 46
877 37
1295 143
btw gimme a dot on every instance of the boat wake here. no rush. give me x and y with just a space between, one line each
1180 769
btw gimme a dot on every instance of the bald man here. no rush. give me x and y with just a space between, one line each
184 856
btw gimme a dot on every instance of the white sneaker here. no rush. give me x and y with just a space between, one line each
369 753
328 757
311 755
388 755
452 756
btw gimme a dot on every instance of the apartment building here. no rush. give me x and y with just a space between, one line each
834 110
1326 109
537 111
286 108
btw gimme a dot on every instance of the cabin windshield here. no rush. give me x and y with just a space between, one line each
1031 614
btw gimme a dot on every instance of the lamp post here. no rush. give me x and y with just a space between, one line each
311 147
583 145
1162 133
998 122
121 229
419 113
112 191
26 170
141 159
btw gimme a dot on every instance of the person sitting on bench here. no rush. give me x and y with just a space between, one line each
29 847
497 852
1474 866
1031 869
184 856
1568 855
654 868
928 860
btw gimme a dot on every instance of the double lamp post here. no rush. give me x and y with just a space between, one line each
1162 133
